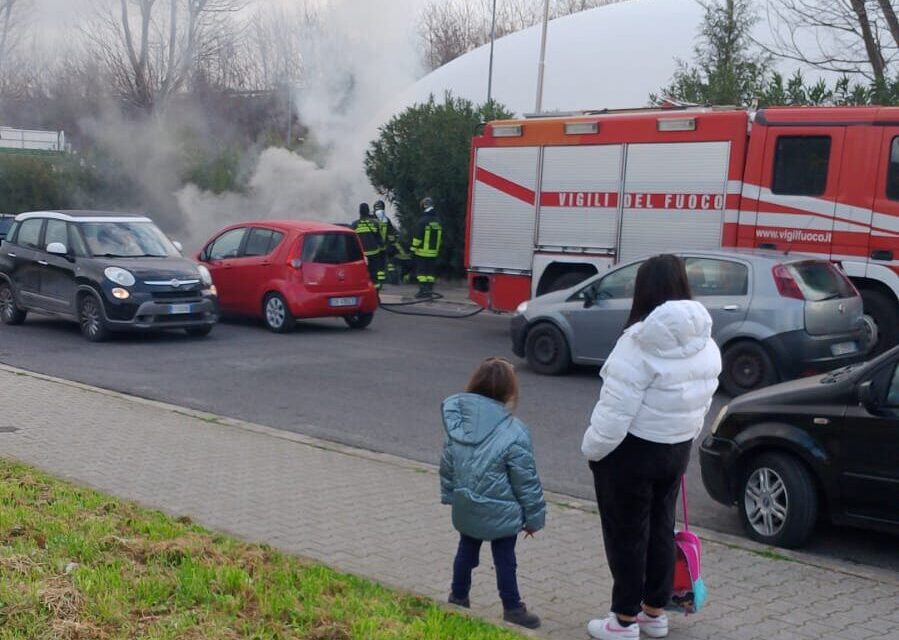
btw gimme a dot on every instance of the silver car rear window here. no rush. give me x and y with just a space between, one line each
820 280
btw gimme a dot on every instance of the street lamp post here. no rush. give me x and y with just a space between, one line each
542 64
492 42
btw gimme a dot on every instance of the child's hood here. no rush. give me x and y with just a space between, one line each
470 418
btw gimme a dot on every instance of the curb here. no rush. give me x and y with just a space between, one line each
559 500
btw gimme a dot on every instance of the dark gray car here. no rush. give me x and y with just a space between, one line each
108 271
776 317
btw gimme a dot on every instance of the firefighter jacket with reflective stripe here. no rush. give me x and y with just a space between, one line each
370 234
428 236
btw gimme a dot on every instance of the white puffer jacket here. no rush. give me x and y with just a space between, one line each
658 382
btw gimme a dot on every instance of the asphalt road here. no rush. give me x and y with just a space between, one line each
379 389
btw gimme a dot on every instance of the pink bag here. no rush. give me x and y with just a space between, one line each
689 592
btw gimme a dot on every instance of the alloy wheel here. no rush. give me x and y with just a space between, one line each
7 304
766 501
90 317
275 313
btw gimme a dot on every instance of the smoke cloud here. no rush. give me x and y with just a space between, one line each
362 56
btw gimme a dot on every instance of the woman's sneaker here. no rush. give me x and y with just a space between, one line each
522 617
610 629
653 627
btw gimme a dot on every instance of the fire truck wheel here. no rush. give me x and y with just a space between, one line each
547 350
746 366
881 311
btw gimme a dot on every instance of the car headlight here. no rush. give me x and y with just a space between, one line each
522 307
120 276
205 276
719 418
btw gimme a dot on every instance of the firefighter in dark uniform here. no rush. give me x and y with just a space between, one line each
389 240
370 234
426 243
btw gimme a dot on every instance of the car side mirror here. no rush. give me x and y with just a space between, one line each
867 398
589 297
178 246
57 249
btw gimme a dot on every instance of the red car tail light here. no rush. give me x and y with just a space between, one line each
787 286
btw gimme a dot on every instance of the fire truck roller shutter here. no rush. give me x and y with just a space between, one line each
579 197
675 196
503 211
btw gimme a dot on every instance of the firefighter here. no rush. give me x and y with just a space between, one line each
370 234
426 243
390 242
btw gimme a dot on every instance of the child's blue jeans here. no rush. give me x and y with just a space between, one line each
468 557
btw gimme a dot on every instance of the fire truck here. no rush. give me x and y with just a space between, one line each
556 199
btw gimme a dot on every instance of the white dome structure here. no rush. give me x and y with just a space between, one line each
612 56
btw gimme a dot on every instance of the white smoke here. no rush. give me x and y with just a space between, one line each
363 55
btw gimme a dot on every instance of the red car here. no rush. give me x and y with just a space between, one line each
281 270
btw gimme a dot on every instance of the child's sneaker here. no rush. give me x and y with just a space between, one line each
610 629
522 617
460 602
653 627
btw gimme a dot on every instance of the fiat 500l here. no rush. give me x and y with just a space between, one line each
107 271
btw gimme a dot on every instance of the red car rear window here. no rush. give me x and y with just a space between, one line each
331 248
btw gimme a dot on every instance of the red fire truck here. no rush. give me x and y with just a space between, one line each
554 200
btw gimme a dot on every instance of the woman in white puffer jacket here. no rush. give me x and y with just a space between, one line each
658 384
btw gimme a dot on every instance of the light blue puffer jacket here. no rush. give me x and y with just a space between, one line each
487 472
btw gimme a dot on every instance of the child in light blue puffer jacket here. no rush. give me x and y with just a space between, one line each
488 475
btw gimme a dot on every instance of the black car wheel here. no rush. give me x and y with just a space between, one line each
547 350
199 332
746 366
9 312
359 320
880 312
778 503
276 314
90 318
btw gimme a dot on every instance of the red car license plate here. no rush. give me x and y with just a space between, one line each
351 301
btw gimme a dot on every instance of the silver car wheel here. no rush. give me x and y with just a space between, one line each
275 313
872 330
766 501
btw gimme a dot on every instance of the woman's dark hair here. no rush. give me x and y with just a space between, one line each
495 379
659 279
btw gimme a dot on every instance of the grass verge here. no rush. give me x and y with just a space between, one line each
79 565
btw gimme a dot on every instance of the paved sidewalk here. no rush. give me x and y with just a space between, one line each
379 516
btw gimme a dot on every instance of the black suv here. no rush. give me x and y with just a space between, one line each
108 271
827 444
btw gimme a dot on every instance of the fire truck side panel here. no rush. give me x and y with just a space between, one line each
503 209
579 195
675 197
797 199
883 243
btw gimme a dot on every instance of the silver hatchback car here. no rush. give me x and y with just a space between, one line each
775 316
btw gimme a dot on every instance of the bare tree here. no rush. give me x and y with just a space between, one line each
11 14
274 44
450 28
853 37
153 48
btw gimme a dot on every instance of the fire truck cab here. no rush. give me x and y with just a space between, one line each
556 199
